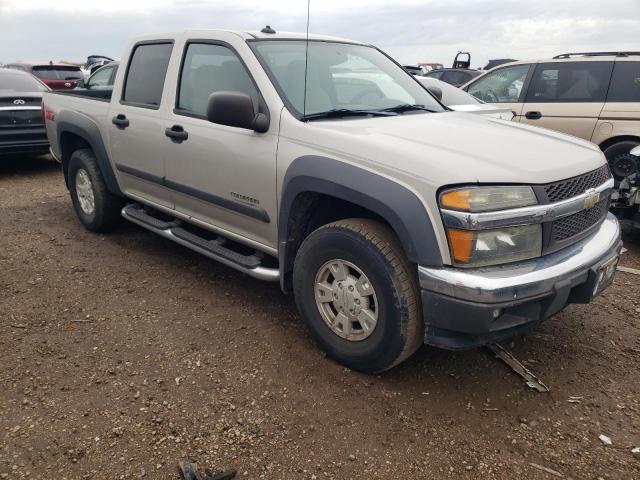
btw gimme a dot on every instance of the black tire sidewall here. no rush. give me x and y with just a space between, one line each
381 349
82 159
620 148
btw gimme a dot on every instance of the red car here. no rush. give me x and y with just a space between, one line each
55 76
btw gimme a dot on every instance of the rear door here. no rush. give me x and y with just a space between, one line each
504 86
620 115
568 96
136 123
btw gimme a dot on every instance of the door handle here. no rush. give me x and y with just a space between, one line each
176 133
533 115
120 121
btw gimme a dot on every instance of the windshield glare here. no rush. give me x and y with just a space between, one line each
339 76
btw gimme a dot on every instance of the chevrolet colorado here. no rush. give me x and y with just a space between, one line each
321 163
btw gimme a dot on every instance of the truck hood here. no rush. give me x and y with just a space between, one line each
455 147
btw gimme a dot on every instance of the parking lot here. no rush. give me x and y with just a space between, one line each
123 353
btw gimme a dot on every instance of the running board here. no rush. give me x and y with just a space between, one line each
214 249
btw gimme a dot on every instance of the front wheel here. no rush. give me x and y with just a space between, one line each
358 295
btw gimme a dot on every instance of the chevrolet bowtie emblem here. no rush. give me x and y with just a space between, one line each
592 197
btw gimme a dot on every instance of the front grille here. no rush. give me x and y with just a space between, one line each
572 225
28 101
571 187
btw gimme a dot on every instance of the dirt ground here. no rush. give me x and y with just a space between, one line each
121 354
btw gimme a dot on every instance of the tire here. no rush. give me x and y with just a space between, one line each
368 248
96 207
621 162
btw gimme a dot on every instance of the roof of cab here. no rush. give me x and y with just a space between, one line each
247 35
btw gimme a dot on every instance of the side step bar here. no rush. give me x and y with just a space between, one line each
214 249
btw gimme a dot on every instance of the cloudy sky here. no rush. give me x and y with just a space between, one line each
412 31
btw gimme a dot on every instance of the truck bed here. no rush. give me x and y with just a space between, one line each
104 95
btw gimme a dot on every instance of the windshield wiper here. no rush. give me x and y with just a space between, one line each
406 107
346 112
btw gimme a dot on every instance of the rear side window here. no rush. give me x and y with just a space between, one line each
570 82
625 83
145 76
209 68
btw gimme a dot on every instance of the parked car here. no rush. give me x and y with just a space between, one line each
594 96
454 76
393 220
101 79
21 123
414 69
55 76
497 62
428 66
460 101
93 63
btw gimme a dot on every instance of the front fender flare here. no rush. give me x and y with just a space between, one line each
396 204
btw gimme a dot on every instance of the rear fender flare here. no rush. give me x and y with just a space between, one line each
83 127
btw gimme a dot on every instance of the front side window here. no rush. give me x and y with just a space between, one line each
102 78
339 76
146 74
500 86
625 83
209 68
570 82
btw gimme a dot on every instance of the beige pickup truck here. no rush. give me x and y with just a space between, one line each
323 165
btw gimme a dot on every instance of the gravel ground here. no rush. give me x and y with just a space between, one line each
123 353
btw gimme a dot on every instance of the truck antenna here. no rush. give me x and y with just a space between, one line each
306 62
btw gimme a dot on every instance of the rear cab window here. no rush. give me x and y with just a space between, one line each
565 82
146 74
625 82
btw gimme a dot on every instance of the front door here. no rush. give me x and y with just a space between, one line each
136 126
223 176
567 96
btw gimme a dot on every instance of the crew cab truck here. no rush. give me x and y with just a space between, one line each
322 164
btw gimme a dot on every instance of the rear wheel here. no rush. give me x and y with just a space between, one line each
96 207
621 162
358 295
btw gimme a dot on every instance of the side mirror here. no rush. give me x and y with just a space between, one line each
635 151
80 83
435 91
235 109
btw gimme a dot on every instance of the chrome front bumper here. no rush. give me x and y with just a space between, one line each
532 278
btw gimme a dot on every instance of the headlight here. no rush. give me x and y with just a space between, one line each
487 199
475 248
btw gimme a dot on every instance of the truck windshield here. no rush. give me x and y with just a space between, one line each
341 78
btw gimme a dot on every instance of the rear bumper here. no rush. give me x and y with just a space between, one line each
23 140
464 308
